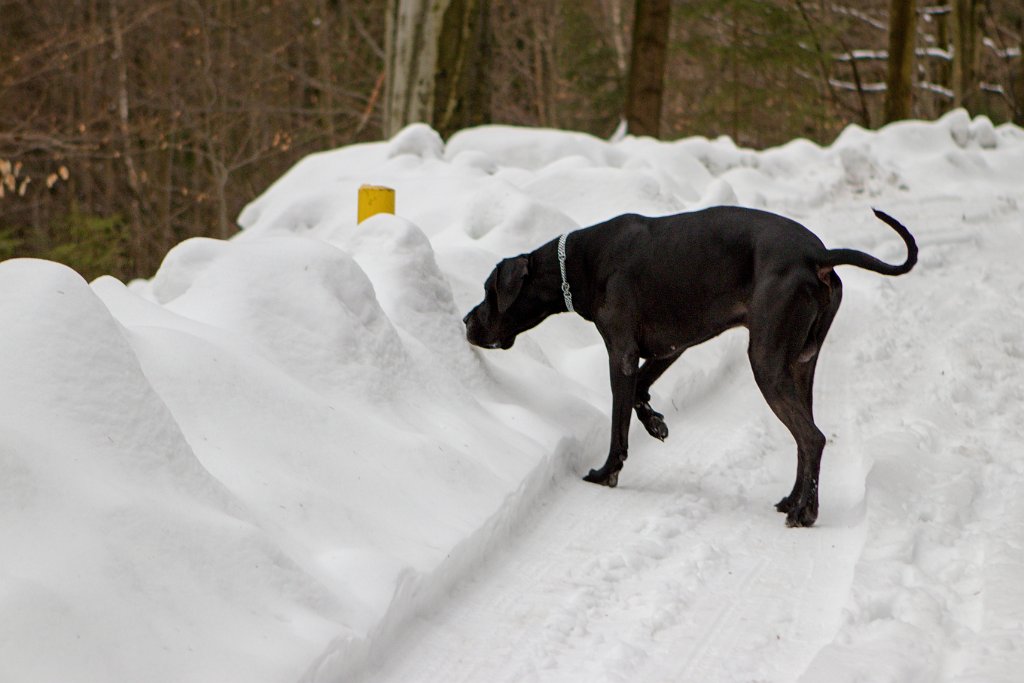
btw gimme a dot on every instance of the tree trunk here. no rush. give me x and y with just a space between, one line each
1018 87
139 251
613 9
324 71
943 73
436 61
899 78
646 81
965 22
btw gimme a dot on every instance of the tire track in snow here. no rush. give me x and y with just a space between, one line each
725 619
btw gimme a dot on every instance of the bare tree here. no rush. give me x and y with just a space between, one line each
135 196
437 64
646 80
966 34
899 79
528 85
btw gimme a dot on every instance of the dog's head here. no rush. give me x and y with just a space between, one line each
507 308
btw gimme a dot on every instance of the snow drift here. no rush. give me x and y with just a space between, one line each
261 463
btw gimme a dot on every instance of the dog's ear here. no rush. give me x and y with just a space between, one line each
512 274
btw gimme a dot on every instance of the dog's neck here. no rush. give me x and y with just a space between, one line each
547 269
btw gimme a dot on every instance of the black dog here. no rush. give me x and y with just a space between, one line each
657 286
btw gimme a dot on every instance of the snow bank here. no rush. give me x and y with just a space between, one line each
123 555
261 463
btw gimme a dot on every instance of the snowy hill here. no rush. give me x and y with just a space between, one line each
278 460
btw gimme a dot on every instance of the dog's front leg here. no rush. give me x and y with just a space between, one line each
623 360
650 371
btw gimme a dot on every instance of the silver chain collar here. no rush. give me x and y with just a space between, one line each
561 265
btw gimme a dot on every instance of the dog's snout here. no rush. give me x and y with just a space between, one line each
465 319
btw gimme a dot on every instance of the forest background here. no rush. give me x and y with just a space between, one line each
127 126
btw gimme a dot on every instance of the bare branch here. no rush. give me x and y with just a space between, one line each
862 16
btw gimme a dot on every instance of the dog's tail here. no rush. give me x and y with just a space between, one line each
852 257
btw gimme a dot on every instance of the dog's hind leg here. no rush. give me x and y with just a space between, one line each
804 374
650 371
778 335
780 389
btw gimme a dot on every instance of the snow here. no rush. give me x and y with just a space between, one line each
278 460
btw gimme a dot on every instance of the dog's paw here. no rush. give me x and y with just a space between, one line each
609 479
801 516
653 421
656 427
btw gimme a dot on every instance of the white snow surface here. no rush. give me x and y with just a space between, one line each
278 460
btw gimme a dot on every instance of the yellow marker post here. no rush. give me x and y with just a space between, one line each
374 199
